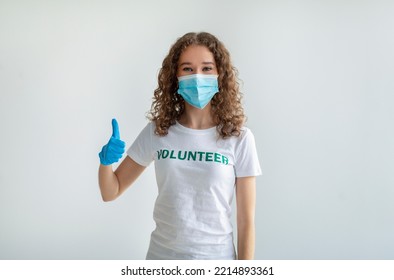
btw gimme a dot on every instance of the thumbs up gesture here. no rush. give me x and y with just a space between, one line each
115 148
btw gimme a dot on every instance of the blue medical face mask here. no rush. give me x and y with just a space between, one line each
198 89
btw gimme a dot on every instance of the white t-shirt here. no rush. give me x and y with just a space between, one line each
195 174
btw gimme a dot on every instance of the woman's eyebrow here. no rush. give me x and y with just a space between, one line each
205 63
185 63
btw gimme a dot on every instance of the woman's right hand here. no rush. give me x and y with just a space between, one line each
113 184
114 149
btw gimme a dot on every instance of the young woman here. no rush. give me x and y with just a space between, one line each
202 155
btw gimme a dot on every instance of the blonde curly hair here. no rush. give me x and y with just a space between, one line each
168 105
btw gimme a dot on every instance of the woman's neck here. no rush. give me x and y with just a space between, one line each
197 118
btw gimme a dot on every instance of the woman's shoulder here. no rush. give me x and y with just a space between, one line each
150 125
245 136
245 132
147 128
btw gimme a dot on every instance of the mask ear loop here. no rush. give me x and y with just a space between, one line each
176 94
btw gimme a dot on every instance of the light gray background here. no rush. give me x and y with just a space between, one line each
318 90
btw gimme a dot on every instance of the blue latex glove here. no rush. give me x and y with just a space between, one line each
114 150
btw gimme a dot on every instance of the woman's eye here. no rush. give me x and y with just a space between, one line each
207 69
187 69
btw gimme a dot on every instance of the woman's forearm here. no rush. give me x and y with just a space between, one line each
246 241
113 184
246 203
108 182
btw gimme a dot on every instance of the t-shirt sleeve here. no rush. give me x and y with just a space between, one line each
246 159
141 149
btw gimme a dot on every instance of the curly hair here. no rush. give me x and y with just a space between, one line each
168 105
